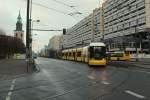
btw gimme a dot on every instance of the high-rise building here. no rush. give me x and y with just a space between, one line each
80 34
19 33
98 24
126 25
121 24
88 30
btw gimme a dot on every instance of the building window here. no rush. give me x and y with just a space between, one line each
133 23
141 20
126 25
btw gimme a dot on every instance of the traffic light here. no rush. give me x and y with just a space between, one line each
64 31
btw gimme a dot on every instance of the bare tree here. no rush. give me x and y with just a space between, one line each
10 45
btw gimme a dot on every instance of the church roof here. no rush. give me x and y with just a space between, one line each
19 19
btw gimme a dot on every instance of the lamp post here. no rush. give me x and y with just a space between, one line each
33 21
31 34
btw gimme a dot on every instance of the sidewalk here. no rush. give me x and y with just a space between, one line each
146 60
142 63
10 68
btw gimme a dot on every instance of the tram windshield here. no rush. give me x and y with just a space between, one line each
97 52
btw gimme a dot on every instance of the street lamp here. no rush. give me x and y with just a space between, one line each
31 34
33 21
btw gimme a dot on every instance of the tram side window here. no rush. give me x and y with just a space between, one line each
117 55
127 53
73 54
79 54
69 53
66 54
91 52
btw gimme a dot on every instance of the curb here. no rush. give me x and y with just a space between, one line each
125 65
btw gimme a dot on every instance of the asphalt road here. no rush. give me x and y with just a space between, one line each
67 80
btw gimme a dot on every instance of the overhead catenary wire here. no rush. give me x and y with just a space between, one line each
63 3
58 11
70 6
41 5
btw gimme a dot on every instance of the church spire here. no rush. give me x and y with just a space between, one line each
19 22
19 19
18 32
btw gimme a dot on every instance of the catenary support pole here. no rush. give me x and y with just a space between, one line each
27 33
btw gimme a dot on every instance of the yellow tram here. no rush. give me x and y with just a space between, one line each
93 54
118 56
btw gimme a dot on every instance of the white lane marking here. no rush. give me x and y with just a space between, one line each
13 82
8 97
135 94
104 82
91 77
12 87
9 93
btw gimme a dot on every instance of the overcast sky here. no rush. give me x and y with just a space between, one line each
49 19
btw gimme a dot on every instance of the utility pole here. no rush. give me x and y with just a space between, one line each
28 30
149 39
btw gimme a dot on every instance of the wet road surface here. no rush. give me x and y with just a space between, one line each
67 80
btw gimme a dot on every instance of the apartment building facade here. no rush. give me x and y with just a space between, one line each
126 25
80 34
98 24
88 30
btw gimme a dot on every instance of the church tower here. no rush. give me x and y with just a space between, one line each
19 33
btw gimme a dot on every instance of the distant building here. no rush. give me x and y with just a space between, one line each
54 43
61 42
19 33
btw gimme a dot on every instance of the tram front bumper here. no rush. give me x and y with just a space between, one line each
97 62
